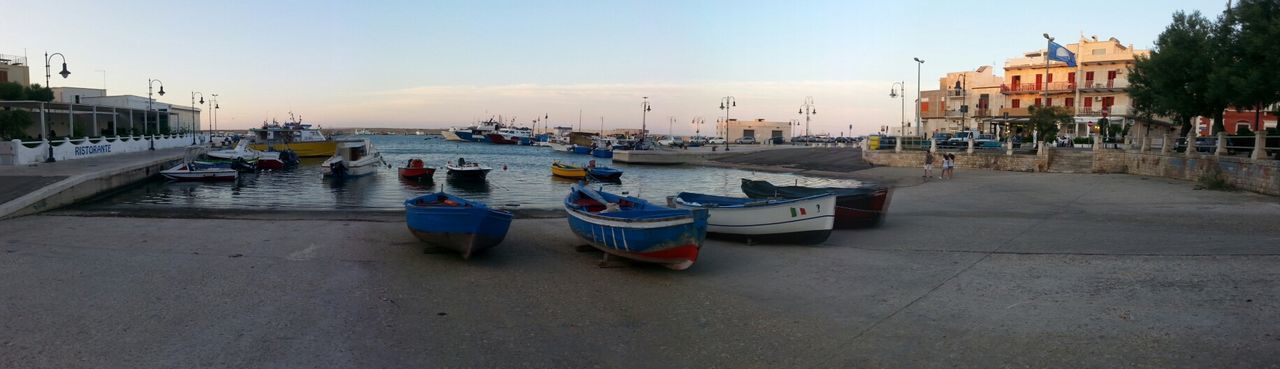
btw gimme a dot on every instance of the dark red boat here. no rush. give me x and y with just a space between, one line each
416 170
498 138
858 207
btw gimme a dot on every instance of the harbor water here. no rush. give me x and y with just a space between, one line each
521 178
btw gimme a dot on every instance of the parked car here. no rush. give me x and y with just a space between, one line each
777 141
745 140
716 141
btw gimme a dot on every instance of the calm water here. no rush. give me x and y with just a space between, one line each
521 178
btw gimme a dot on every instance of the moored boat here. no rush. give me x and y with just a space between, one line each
561 147
193 171
583 150
276 160
464 170
859 207
603 173
305 141
602 153
352 159
450 222
806 220
633 228
415 169
559 169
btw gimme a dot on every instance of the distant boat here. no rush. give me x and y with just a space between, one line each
352 159
559 169
294 135
806 220
633 228
579 149
467 170
561 147
191 171
859 207
450 222
602 153
457 134
415 169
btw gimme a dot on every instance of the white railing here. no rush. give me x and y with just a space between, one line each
16 152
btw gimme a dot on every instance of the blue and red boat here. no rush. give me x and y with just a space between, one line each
450 222
633 228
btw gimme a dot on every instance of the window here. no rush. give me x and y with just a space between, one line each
1108 101
924 106
1088 103
1017 103
1038 101
749 133
1071 102
1088 76
1048 102
1241 126
1111 74
4 76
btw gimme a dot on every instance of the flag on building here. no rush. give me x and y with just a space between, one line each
1059 53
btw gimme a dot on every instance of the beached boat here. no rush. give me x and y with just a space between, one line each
807 220
860 207
604 173
559 169
464 170
633 228
352 159
450 222
602 153
193 171
415 169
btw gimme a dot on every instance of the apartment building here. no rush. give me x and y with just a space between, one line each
969 98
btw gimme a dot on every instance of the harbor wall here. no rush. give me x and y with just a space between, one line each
92 182
1254 175
16 152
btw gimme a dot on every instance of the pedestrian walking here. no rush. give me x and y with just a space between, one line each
948 166
928 164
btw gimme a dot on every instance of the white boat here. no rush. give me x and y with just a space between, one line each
352 159
806 220
241 151
464 170
561 146
192 171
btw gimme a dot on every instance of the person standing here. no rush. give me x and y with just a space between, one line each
948 166
928 164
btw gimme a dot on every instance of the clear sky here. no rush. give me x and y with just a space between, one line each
442 63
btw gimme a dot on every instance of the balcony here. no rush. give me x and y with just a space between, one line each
982 112
1094 111
955 93
954 114
1112 85
1016 112
1036 87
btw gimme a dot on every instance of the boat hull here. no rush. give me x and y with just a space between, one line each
674 244
602 153
466 230
856 208
496 138
561 147
568 172
583 150
469 175
605 174
417 173
311 149
793 221
362 167
180 173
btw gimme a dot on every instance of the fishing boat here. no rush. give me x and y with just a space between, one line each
559 169
450 222
415 169
583 150
560 146
307 142
602 153
241 150
194 171
465 170
633 228
457 134
603 173
276 160
352 159
860 207
806 220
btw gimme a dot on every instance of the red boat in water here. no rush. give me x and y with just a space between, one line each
416 170
498 138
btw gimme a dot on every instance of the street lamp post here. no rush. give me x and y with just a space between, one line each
807 109
644 114
697 123
727 103
48 58
897 90
214 102
919 64
151 82
195 122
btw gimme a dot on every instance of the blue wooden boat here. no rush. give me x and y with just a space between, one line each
633 228
602 153
454 223
604 173
584 150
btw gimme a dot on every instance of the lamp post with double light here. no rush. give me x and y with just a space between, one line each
727 103
195 121
898 91
644 115
807 109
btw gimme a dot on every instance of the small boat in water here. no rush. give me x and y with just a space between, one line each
193 171
465 170
602 153
276 160
603 173
450 222
633 228
415 169
805 220
352 159
559 169
583 150
859 207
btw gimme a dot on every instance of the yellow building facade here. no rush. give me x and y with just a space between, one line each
1094 88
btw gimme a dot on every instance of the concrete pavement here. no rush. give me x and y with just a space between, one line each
30 189
992 269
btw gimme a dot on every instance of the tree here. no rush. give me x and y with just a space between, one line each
14 123
38 93
1046 120
12 91
1256 26
1174 79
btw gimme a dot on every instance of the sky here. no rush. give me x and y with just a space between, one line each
436 64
